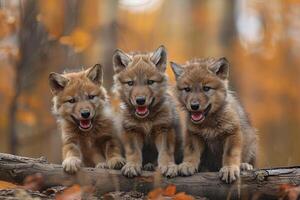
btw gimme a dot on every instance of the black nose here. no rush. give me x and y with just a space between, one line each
85 113
140 100
195 106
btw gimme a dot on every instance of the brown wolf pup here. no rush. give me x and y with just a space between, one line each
82 109
219 135
149 119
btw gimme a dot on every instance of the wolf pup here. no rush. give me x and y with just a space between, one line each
219 135
82 109
149 119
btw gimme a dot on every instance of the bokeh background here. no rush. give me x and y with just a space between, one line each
260 38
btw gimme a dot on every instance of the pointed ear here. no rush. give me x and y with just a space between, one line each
221 68
159 58
177 69
57 82
120 60
95 74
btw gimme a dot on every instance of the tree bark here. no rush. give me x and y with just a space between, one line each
261 183
32 39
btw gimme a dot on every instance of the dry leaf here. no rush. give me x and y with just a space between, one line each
71 193
170 191
33 182
154 194
290 192
7 185
183 196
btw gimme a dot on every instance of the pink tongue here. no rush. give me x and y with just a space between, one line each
141 110
197 116
85 123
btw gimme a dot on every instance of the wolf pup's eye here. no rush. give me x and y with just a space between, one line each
150 82
206 88
187 89
71 100
130 83
91 96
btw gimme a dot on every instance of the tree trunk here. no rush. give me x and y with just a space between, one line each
32 46
262 183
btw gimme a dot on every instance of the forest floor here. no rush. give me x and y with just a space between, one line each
31 191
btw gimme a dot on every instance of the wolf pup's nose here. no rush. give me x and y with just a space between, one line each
140 100
195 106
85 114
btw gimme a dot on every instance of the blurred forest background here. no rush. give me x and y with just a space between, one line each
260 38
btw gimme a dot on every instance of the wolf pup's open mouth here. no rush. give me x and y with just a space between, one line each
142 111
198 116
83 124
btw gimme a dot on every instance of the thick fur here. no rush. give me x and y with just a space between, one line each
153 138
223 139
99 143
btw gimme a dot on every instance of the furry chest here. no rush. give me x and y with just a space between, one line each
86 143
210 133
147 128
144 127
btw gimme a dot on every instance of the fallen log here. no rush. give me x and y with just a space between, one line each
261 183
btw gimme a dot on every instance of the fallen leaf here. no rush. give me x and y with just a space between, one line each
290 192
154 194
33 182
54 190
71 193
183 196
284 187
170 190
7 185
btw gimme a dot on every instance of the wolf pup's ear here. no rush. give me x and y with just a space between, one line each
220 68
120 60
95 74
57 82
159 58
177 69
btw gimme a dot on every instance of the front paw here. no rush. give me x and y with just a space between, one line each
116 163
246 167
229 173
102 165
149 167
131 169
187 169
71 164
170 170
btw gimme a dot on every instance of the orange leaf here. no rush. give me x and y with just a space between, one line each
183 196
27 117
170 190
154 194
71 193
79 39
7 185
290 192
33 182
284 187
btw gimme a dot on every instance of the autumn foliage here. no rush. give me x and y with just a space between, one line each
168 193
77 192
